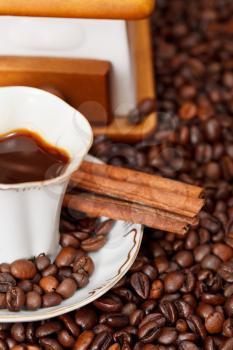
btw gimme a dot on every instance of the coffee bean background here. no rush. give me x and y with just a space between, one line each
179 292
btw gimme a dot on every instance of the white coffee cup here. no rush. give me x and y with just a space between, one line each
30 211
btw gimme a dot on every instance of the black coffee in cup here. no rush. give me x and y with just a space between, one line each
26 157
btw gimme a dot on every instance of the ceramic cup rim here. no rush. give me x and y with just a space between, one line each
83 152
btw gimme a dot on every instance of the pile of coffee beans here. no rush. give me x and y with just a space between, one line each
36 283
178 295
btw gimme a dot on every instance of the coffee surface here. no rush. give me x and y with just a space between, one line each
26 157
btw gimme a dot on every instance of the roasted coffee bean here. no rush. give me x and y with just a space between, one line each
228 328
33 300
192 240
64 272
184 258
25 285
30 332
94 243
226 271
210 223
196 325
150 271
150 328
66 225
15 298
80 253
212 299
66 256
156 317
149 332
188 111
37 289
121 283
187 336
117 320
81 236
84 224
122 336
173 281
42 262
81 278
140 283
23 269
51 299
68 240
48 328
86 318
51 270
136 317
214 323
70 324
18 332
181 326
50 344
102 341
65 339
173 297
126 294
108 304
187 345
205 310
67 288
189 282
148 306
169 310
84 340
156 289
6 281
184 309
102 328
167 336
137 265
210 262
104 227
201 251
212 130
48 284
37 278
84 263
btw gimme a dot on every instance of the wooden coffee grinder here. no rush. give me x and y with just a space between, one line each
96 54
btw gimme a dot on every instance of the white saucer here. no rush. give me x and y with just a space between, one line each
111 264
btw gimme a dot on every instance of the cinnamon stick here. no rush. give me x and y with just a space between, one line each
134 192
138 177
95 205
124 194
